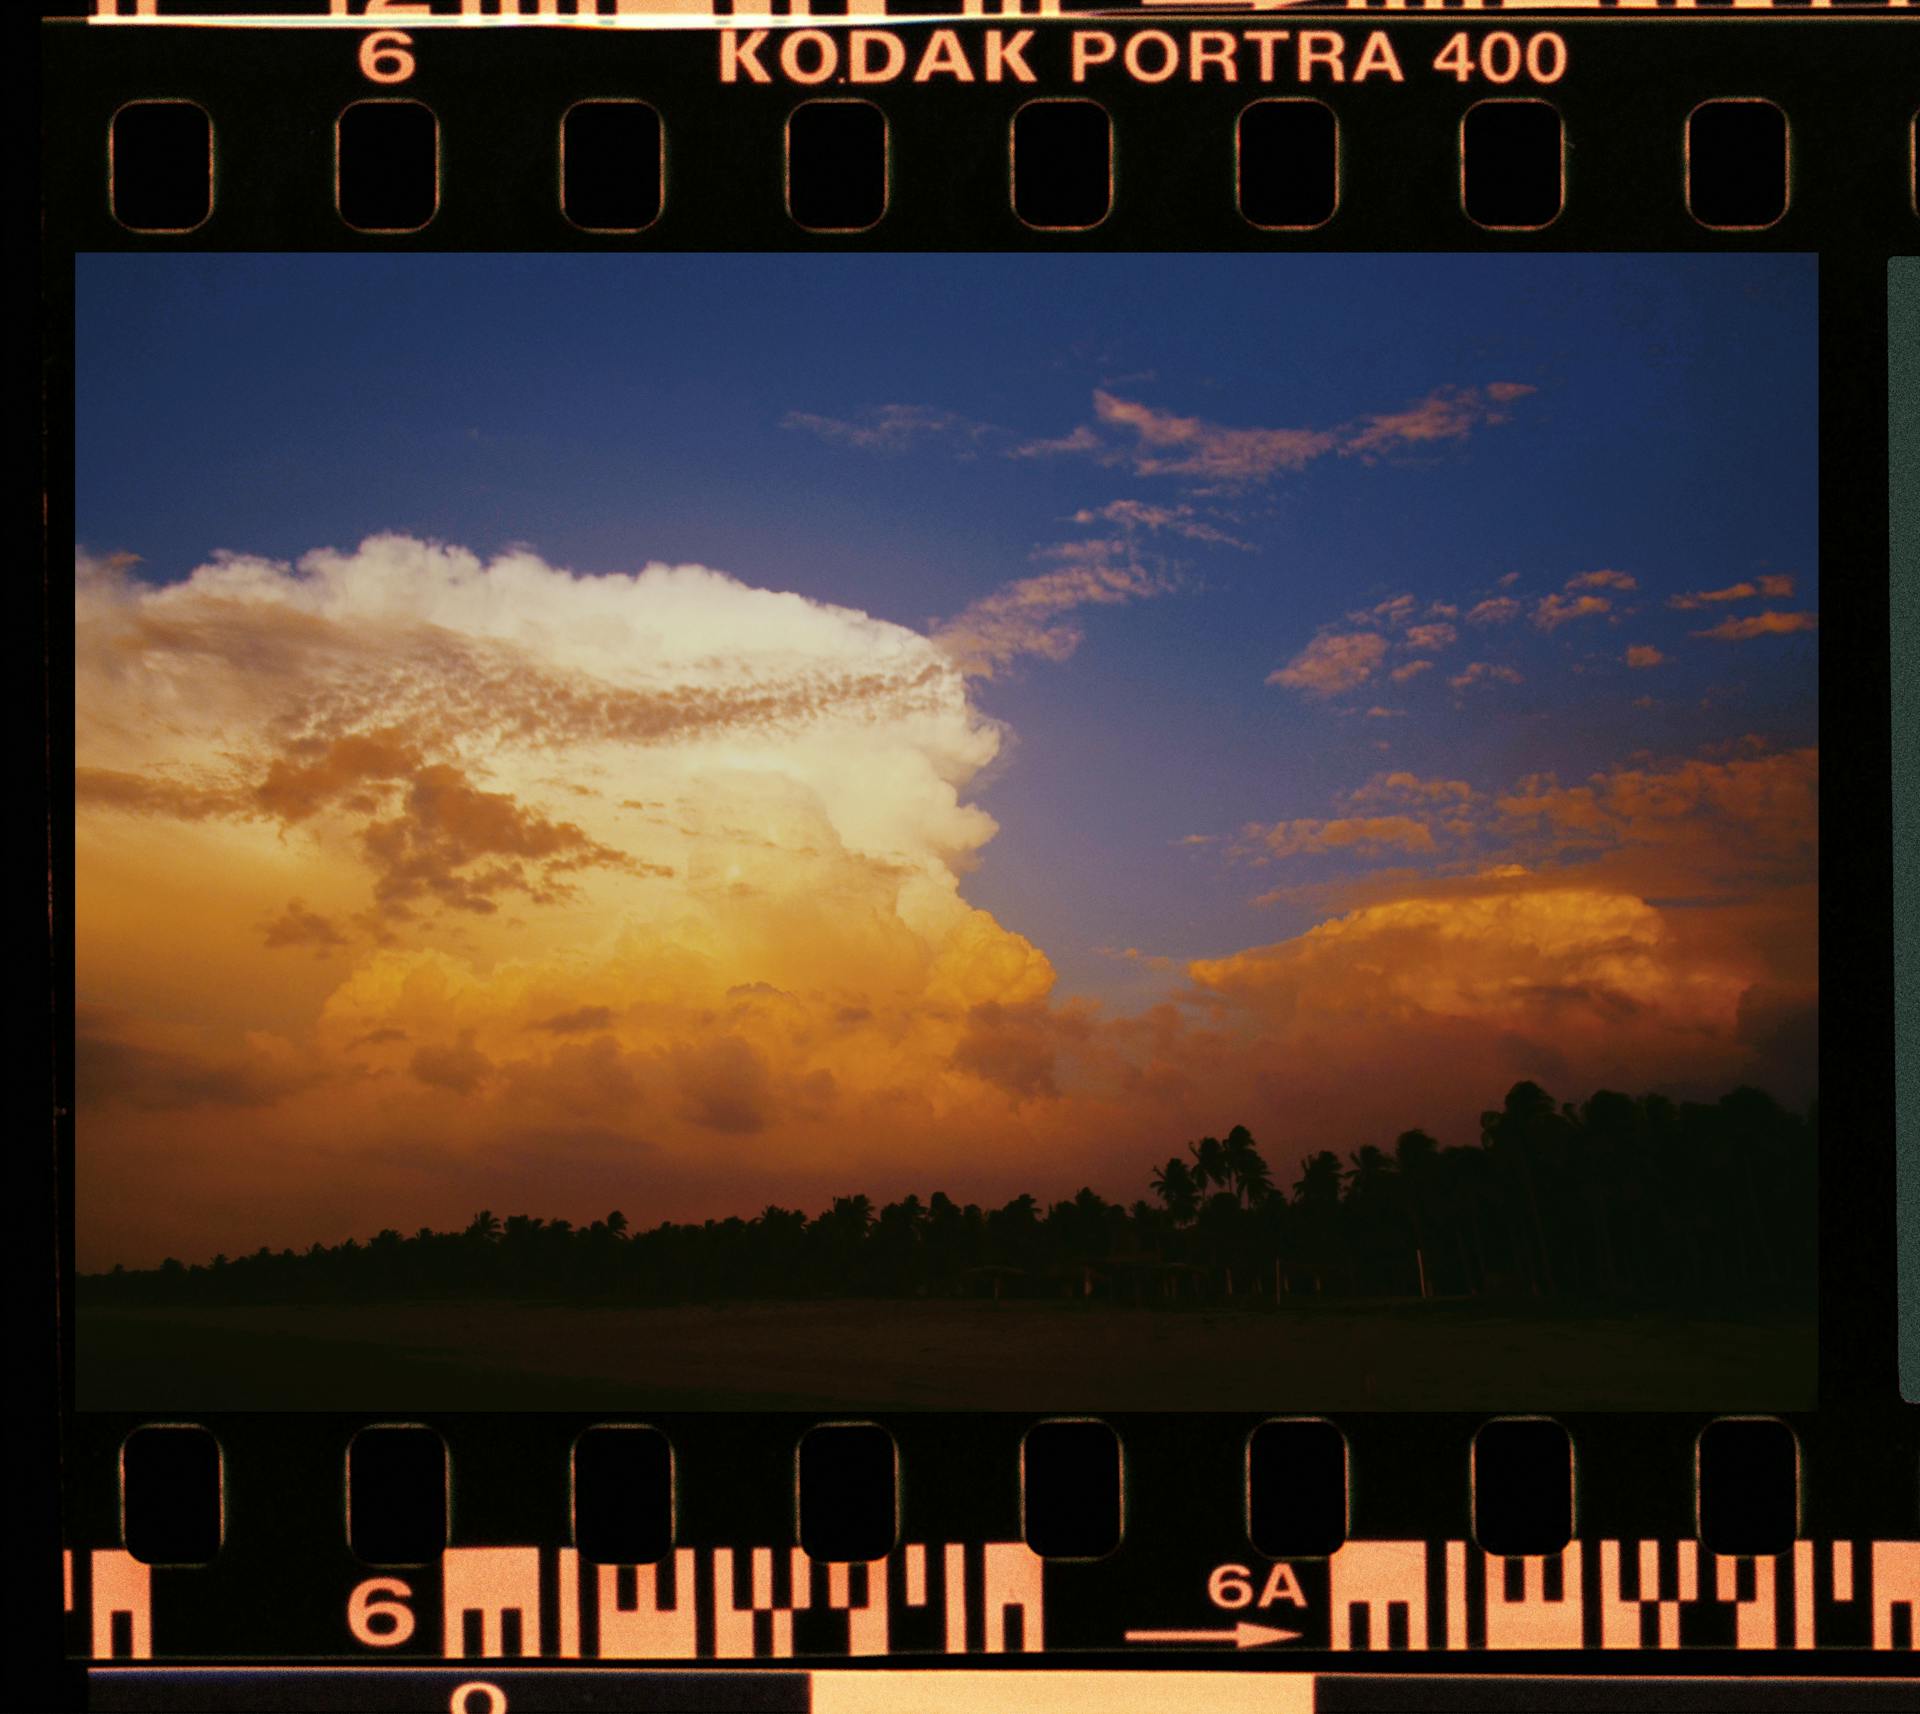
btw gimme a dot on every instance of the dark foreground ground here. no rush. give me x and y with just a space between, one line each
942 1355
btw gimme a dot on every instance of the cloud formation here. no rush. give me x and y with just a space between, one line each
1550 612
298 926
1654 924
1484 672
889 428
1332 662
1182 521
1155 442
1767 624
1777 587
723 834
542 833
1752 808
1401 784
1447 413
1029 616
1367 833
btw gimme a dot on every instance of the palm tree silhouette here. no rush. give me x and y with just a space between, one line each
1209 1164
1247 1171
1176 1186
1318 1185
1367 1174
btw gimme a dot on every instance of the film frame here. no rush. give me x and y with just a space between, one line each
1839 1593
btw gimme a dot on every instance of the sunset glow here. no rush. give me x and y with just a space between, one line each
1190 735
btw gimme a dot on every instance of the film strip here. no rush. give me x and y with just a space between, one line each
378 1473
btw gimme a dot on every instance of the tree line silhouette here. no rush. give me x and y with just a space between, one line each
1620 1199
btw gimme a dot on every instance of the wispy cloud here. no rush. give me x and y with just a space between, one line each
1411 788
1168 445
1603 580
1332 662
1767 801
1028 616
1483 672
1552 611
1436 636
1447 413
1182 521
1395 610
889 428
1359 833
1768 624
1157 442
1082 439
1644 655
1776 586
1495 610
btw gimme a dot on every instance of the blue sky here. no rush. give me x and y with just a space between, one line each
609 411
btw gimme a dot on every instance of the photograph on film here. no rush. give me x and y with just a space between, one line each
946 832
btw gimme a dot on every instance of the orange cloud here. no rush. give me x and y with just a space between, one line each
1015 1048
438 844
1751 810
1025 617
1475 983
1643 655
1768 624
1394 611
579 1020
1552 611
1401 784
138 794
1775 586
123 1061
1363 833
1332 662
1479 672
1447 413
298 926
1603 580
1163 443
1170 445
457 1066
1656 925
766 976
1495 610
1180 521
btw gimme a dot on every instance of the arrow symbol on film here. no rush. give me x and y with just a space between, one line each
1244 1635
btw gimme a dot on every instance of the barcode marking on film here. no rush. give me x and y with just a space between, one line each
1645 1595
